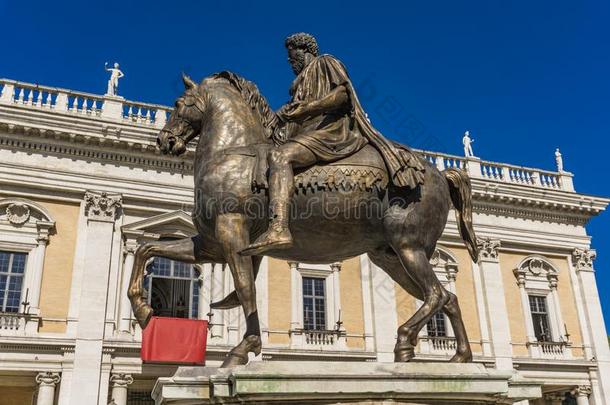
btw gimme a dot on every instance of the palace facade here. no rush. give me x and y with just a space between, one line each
67 334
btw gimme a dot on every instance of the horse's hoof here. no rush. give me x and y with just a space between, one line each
239 354
465 357
143 313
228 302
234 359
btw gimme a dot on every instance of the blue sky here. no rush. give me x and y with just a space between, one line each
524 77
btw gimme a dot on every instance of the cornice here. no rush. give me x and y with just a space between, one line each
87 147
535 203
121 143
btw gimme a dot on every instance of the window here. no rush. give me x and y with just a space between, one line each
314 303
12 268
139 397
436 325
540 318
173 288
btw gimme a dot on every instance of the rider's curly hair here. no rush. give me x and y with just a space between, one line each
303 40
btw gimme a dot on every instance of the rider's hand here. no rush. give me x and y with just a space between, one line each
295 111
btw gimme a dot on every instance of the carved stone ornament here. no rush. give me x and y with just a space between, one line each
121 380
48 378
17 214
583 391
535 266
101 206
489 248
583 258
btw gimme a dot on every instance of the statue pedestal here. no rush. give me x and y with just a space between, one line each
113 107
339 382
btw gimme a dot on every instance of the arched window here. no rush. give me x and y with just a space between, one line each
172 288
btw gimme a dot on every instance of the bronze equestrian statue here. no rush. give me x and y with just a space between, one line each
346 189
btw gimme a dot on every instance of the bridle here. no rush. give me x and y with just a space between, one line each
199 106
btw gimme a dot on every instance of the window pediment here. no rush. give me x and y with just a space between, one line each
20 211
537 273
175 224
444 264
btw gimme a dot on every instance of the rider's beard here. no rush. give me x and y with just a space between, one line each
297 63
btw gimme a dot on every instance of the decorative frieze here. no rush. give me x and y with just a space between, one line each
102 206
583 259
489 249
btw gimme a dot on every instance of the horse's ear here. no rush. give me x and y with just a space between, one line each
188 82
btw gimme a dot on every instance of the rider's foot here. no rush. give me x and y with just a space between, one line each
276 237
228 302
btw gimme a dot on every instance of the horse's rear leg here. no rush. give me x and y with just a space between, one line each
390 263
415 262
231 300
463 352
184 250
232 233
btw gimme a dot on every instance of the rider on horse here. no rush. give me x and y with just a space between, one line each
323 122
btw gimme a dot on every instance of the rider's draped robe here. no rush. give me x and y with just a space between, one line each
340 133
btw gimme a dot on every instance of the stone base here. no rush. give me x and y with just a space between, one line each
339 382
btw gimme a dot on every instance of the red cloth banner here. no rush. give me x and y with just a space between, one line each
174 340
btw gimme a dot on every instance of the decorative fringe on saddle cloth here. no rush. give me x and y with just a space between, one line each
340 178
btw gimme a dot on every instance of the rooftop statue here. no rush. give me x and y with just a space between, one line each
559 160
113 82
467 142
315 183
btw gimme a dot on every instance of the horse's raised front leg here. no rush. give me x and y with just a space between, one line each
232 233
185 250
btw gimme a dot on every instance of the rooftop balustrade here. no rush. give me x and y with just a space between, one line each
155 116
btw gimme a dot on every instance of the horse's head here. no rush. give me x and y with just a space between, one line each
184 123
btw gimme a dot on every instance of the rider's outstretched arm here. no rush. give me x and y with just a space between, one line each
337 99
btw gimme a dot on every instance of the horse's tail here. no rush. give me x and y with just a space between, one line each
460 191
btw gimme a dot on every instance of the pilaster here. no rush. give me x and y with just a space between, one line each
125 311
495 303
367 303
101 210
582 260
296 307
384 313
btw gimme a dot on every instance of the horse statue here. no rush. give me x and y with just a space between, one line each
339 210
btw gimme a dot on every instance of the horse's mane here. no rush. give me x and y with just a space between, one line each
255 99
